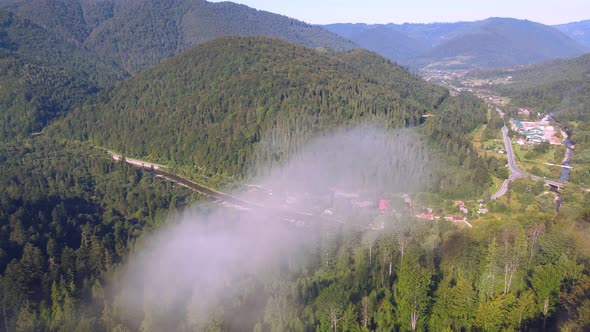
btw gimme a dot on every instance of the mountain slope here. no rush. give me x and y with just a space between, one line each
137 34
495 42
383 40
500 42
236 105
228 92
42 77
579 31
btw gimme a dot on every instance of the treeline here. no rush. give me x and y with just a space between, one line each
68 216
427 276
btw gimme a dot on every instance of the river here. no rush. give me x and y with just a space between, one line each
567 160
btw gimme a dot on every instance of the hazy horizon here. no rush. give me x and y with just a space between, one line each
422 11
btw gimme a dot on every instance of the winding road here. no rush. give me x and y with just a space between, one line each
515 172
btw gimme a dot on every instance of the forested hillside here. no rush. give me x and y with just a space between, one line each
42 77
137 34
235 90
560 86
68 216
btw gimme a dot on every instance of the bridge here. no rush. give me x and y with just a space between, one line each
515 172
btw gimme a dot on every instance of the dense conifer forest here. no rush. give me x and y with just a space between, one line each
73 222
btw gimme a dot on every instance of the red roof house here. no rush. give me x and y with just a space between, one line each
384 205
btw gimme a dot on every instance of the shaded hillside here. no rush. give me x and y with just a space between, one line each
579 31
495 42
137 34
499 42
434 34
42 77
383 40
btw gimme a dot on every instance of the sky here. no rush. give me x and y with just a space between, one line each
423 11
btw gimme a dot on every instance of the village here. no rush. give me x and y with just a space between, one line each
374 210
534 132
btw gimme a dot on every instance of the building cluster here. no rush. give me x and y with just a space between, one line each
460 206
535 132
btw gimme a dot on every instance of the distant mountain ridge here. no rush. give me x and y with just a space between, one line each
579 31
136 34
494 42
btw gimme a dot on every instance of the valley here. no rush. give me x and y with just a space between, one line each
192 165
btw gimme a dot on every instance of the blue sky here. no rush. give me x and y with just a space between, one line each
424 11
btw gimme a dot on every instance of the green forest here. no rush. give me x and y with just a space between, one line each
43 77
70 217
138 34
73 221
238 91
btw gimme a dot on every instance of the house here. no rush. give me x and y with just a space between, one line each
428 216
517 125
535 138
482 211
464 210
459 204
384 205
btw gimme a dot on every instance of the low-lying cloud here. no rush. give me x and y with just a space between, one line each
189 267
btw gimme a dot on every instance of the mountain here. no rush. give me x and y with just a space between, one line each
42 77
383 40
235 90
137 34
433 34
494 42
254 101
579 31
500 42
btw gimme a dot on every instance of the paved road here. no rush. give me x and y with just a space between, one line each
515 172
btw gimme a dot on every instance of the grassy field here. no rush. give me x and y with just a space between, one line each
534 164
